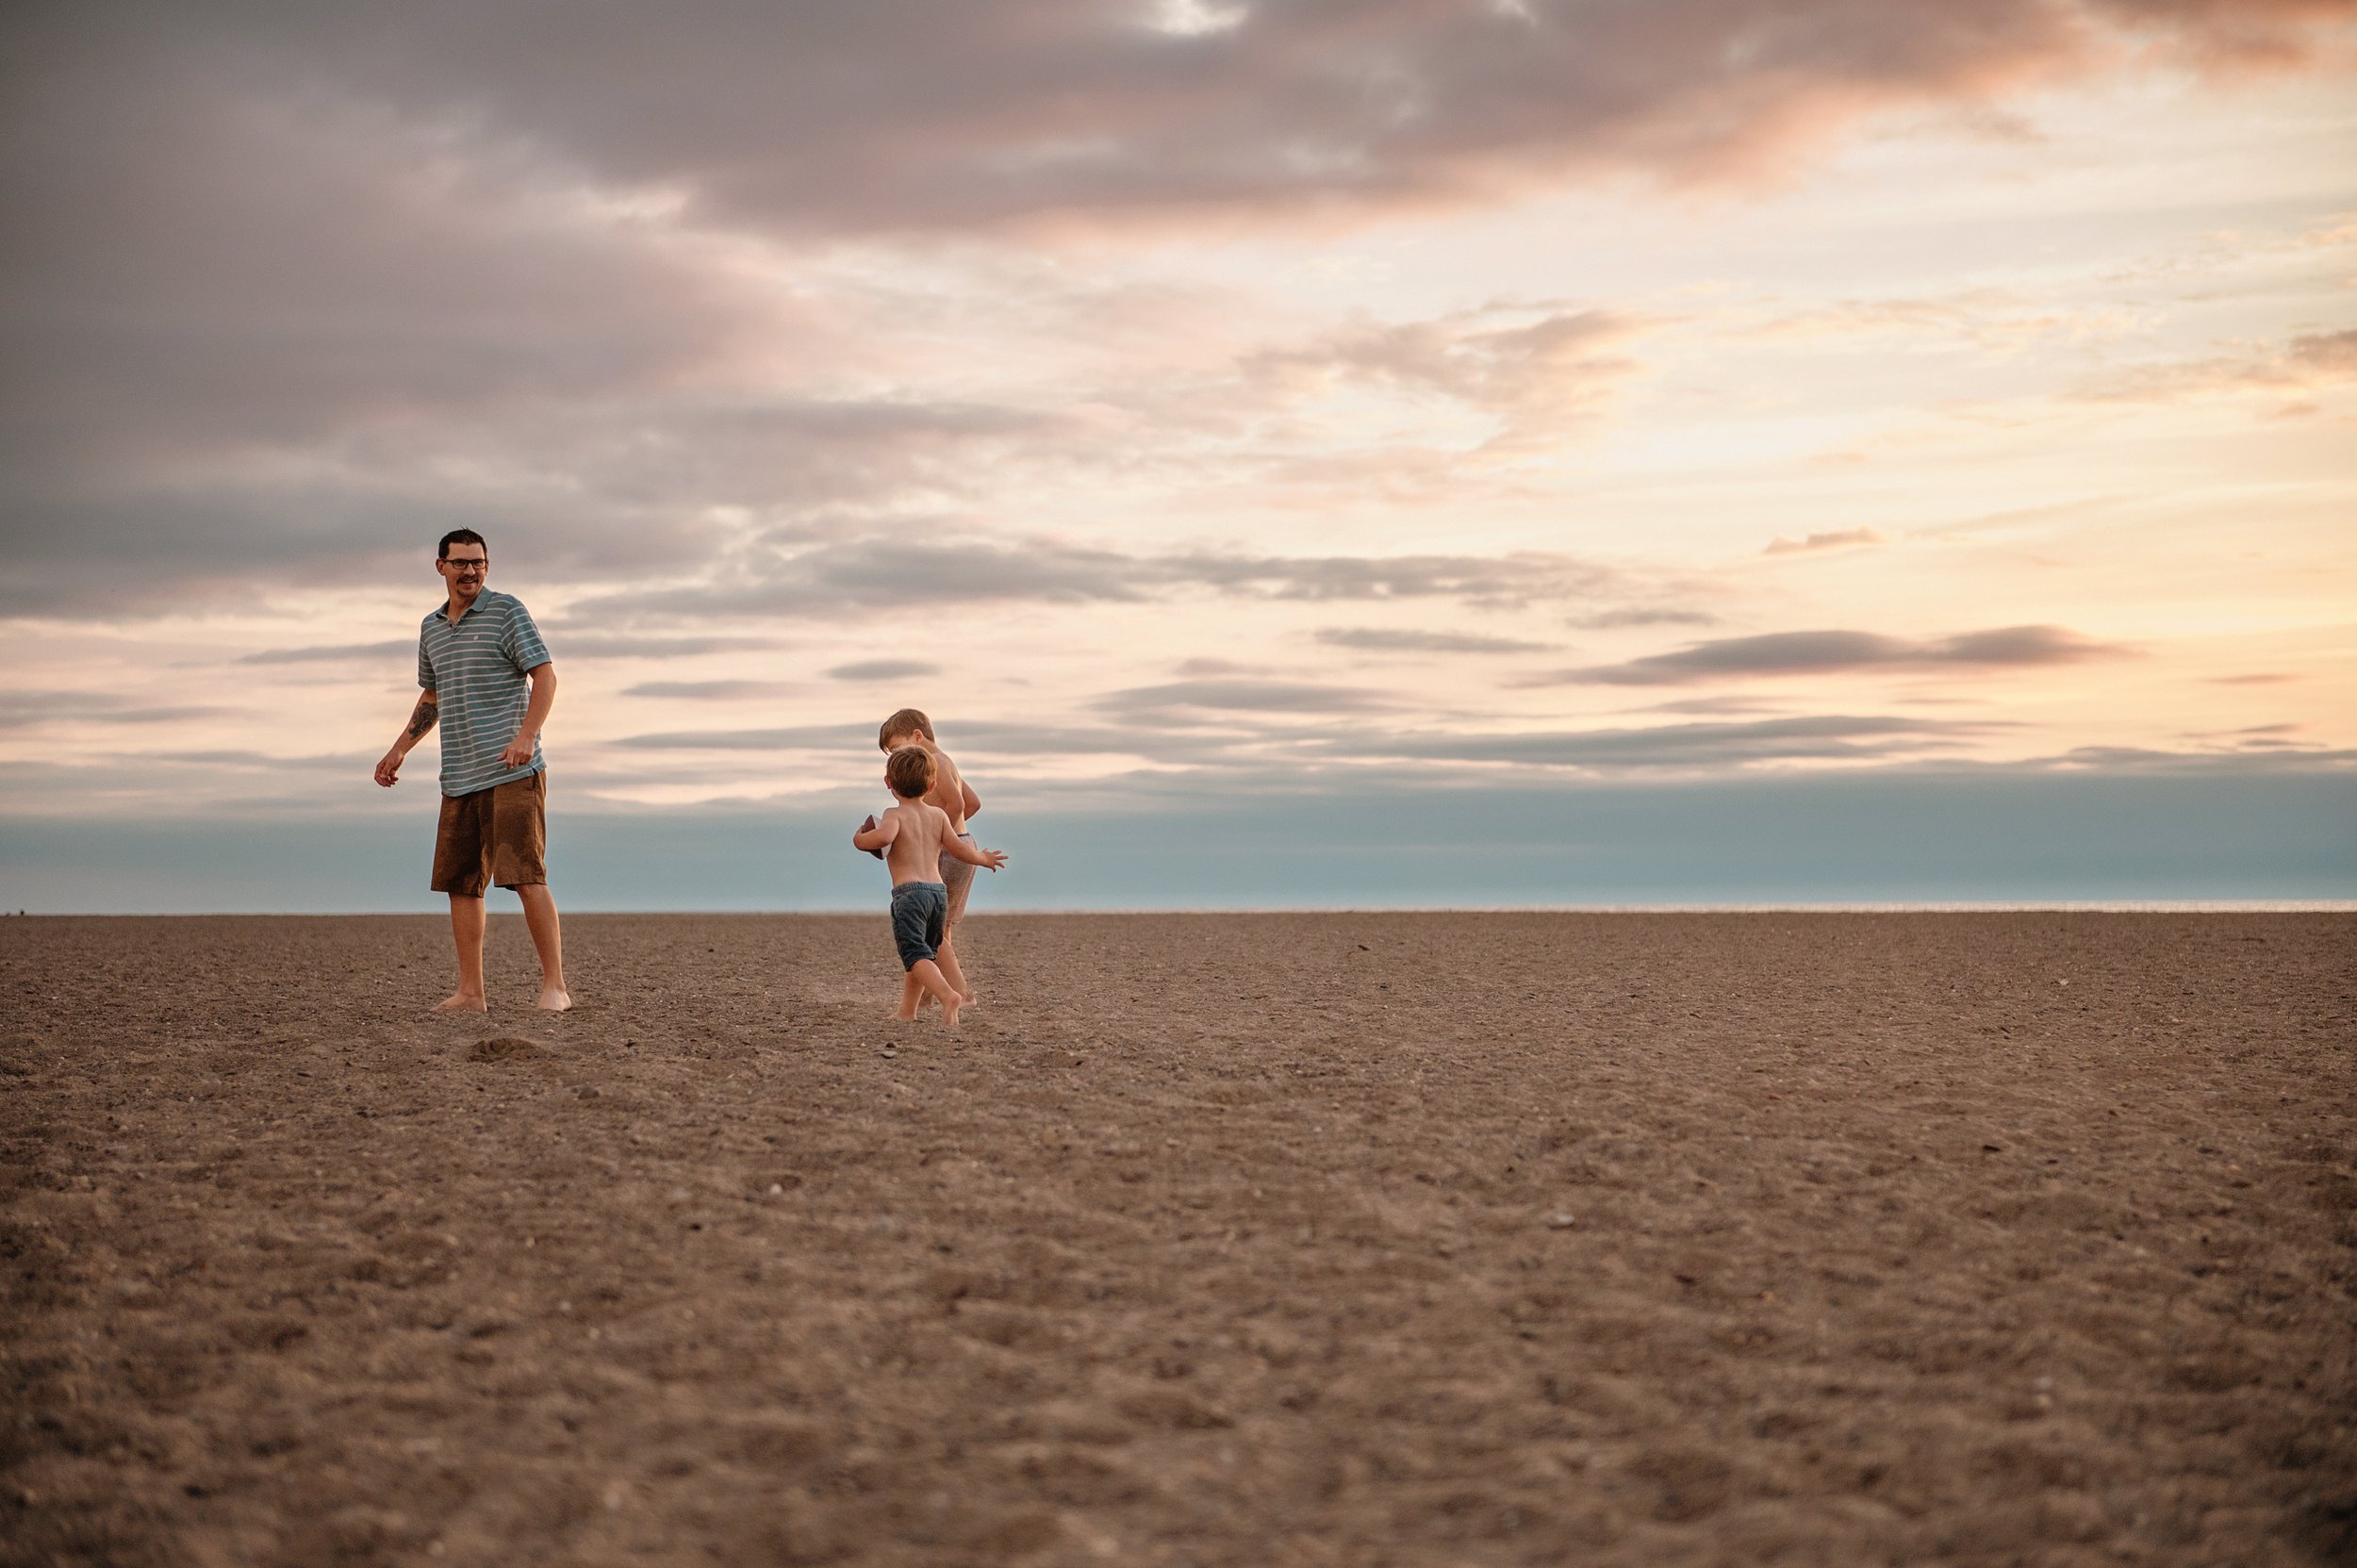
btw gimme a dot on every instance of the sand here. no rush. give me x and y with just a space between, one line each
1418 1239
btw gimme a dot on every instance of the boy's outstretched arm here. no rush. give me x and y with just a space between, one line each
958 849
873 836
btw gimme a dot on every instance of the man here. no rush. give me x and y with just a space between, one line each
488 682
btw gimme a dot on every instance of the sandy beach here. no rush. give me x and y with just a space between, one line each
1348 1240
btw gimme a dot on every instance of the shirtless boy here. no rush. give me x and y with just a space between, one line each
915 836
958 801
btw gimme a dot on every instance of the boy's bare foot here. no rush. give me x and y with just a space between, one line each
554 998
901 1017
949 1013
461 1002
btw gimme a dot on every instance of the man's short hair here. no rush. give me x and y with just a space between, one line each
910 772
459 536
908 721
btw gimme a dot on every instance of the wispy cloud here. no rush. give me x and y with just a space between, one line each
1537 372
2153 759
883 670
1710 706
1622 620
2300 365
577 643
1385 639
22 709
1814 738
1241 696
789 737
703 691
572 644
330 653
1846 538
1845 653
856 576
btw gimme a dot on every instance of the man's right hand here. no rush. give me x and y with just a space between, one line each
388 769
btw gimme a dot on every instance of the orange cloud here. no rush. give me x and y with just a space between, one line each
1847 538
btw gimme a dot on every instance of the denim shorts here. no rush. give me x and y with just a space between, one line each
919 912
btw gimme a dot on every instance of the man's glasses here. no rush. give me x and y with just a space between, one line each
456 564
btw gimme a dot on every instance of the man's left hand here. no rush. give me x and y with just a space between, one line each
518 753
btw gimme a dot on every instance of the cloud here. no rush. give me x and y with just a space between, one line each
798 738
580 493
911 114
576 644
1511 579
855 577
288 289
1845 652
228 254
1984 317
1848 538
1384 639
334 652
2257 680
1817 738
1009 746
2324 353
2142 759
1537 375
1219 666
1195 726
1710 706
883 670
1615 620
1229 697
699 691
22 709
2298 366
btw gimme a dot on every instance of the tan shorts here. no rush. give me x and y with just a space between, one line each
497 835
958 877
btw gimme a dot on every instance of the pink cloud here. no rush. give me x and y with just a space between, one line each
1847 538
928 114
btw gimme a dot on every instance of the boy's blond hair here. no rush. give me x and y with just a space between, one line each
910 772
908 721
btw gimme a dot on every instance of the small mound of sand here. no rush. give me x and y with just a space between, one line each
502 1048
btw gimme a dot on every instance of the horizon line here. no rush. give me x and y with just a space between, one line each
1925 907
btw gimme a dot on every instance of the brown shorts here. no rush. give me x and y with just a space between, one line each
493 836
958 877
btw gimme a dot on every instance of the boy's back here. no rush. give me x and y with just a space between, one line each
915 853
948 792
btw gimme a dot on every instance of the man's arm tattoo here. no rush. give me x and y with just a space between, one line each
427 711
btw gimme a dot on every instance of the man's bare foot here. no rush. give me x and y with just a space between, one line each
971 1000
461 1002
554 998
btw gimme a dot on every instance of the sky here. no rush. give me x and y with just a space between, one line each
1385 453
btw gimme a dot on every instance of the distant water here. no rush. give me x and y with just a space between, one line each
2097 906
2047 906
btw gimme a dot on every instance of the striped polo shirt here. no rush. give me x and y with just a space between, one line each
476 672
